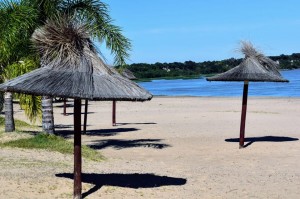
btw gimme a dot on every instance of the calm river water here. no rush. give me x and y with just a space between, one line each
201 87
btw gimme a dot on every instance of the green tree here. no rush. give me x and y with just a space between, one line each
30 104
91 12
16 25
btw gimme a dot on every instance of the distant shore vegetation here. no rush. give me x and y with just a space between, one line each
190 69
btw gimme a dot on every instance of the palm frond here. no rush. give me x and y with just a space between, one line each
21 67
96 15
32 106
16 26
85 8
45 8
16 17
115 41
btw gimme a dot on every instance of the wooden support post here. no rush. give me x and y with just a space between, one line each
114 113
85 116
243 116
77 149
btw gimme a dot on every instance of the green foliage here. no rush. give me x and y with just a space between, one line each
2 121
17 23
21 125
95 14
52 143
30 104
119 45
193 69
21 67
288 61
1 101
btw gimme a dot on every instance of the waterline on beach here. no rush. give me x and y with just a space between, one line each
201 87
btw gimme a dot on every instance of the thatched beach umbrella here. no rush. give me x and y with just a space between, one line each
125 73
255 67
129 75
71 68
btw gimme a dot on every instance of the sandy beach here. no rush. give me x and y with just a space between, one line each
169 147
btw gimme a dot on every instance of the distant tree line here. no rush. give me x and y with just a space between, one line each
194 69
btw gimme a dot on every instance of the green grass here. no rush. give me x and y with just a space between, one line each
52 143
45 141
19 124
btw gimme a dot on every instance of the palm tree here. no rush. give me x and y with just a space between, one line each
91 12
16 26
30 104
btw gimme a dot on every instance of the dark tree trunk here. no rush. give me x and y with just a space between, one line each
48 118
9 113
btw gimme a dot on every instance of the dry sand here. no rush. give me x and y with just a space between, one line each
169 148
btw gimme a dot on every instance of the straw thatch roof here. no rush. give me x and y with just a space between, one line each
254 67
128 74
124 72
72 68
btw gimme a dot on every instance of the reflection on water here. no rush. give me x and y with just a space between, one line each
201 87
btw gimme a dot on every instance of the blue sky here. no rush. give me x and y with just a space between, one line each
205 30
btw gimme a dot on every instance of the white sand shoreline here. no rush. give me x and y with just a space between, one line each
179 143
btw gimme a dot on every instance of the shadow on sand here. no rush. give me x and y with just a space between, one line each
251 140
100 132
68 105
82 113
134 181
121 144
122 124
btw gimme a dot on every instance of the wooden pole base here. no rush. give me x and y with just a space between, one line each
77 149
243 116
114 113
